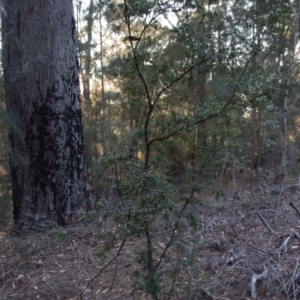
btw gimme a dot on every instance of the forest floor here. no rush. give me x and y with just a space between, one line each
246 237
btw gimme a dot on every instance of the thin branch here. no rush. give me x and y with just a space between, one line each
239 80
168 20
173 82
177 79
104 267
186 203
149 248
265 222
295 208
145 28
127 19
174 277
292 285
211 295
211 116
256 277
114 278
151 268
176 131
284 246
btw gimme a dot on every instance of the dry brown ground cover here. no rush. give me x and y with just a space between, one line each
234 243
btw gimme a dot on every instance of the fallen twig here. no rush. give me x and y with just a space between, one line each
284 246
211 295
292 288
265 222
256 277
295 208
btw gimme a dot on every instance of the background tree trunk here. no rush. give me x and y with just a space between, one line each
86 68
12 67
56 191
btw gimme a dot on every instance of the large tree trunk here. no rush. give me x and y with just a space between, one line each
12 66
56 191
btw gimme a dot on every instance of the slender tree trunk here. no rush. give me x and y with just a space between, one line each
12 66
104 104
56 191
86 77
259 135
286 97
202 129
103 121
284 112
88 59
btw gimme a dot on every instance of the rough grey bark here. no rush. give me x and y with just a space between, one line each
56 190
12 67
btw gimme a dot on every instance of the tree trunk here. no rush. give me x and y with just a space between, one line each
86 78
12 67
104 104
56 191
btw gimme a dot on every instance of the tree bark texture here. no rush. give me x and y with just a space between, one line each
56 190
12 67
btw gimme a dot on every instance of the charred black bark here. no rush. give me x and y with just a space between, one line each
54 184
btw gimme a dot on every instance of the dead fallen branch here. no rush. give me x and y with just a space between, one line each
265 222
254 279
295 208
211 295
285 245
